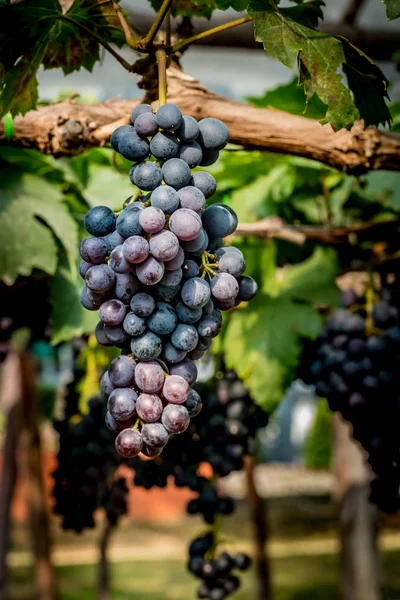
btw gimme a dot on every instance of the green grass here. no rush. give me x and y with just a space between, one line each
295 578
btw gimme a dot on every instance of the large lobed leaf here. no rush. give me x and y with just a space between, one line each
35 32
290 36
263 342
392 9
33 216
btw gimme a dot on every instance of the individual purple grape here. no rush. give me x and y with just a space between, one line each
209 307
172 278
150 271
188 315
164 246
176 389
185 369
198 245
147 346
155 435
113 240
134 325
191 197
188 129
196 354
193 404
220 252
118 262
176 173
149 408
88 303
142 304
169 117
106 387
100 335
147 176
139 110
175 418
164 145
151 451
126 285
171 354
196 292
116 426
219 220
121 403
209 158
247 288
213 135
185 337
152 219
122 371
118 133
100 278
209 326
176 262
232 263
165 198
224 287
204 343
129 443
93 250
191 153
146 125
112 312
185 224
99 221
136 248
167 292
116 335
149 377
128 222
84 268
190 269
205 182
163 320
132 147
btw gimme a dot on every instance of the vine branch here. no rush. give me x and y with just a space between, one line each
204 34
148 39
129 35
161 56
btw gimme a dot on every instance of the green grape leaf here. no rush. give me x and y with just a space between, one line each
68 317
36 32
189 8
318 55
263 341
33 216
368 84
392 9
107 186
306 13
292 99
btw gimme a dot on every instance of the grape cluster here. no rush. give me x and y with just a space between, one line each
87 462
216 572
355 366
222 435
160 275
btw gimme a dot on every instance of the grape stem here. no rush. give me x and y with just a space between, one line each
207 267
129 35
148 39
161 56
179 46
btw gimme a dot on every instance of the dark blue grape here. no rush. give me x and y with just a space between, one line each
219 220
193 404
99 221
190 269
139 110
196 292
163 320
147 176
198 245
169 117
172 278
117 133
213 134
172 354
188 315
100 335
247 288
205 182
165 198
132 147
209 158
146 347
191 197
113 240
176 173
134 325
128 222
87 302
142 304
209 326
164 145
116 335
188 129
191 153
185 337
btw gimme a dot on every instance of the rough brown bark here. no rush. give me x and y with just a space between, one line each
103 578
358 529
258 513
38 515
10 396
67 129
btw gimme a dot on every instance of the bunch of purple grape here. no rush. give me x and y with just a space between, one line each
159 274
